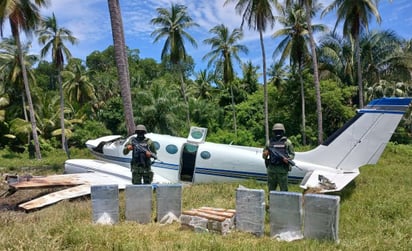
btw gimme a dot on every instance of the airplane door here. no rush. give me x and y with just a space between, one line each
187 162
197 135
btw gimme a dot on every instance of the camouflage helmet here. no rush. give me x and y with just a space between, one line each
278 127
141 128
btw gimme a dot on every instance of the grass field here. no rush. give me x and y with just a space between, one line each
375 214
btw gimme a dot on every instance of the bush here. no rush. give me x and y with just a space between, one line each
86 131
402 136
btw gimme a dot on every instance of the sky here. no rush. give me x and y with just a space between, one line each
89 22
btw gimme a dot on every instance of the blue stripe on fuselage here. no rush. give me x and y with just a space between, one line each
201 170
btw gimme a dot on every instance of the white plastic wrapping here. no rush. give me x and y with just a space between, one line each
250 210
169 200
285 210
321 216
105 204
139 203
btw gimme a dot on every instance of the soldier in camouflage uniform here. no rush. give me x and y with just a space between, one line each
277 164
143 150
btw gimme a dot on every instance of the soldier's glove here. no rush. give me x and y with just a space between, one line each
265 154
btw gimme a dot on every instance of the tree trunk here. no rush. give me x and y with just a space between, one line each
29 100
302 94
359 71
265 88
233 110
26 118
121 63
183 91
308 8
64 142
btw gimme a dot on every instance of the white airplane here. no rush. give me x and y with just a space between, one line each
327 168
359 142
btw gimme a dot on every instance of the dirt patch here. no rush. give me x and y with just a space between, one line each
11 199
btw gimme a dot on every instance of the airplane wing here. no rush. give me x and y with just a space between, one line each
325 181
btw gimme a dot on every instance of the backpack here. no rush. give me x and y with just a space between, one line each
139 151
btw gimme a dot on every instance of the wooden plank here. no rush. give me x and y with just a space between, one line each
218 213
80 185
47 181
52 198
204 215
218 209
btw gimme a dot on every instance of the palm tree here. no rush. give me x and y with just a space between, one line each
383 57
311 8
335 58
77 85
295 45
355 15
250 77
258 15
202 88
278 74
160 108
172 24
23 15
4 102
224 49
53 38
122 63
10 68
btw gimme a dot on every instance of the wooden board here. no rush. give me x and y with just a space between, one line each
52 198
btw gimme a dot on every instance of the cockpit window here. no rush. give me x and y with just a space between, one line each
205 155
172 149
197 134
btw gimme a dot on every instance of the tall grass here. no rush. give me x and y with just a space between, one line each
375 214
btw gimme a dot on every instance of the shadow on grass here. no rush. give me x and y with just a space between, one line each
347 192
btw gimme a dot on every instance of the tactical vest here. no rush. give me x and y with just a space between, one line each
280 146
139 151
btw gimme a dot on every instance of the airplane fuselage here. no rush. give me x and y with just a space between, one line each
181 160
359 142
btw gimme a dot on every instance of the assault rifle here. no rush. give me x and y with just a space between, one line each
142 149
279 155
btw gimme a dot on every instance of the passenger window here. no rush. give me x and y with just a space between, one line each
205 155
172 149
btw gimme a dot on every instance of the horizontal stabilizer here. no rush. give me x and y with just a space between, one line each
324 181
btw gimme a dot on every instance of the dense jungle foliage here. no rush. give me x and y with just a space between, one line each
233 111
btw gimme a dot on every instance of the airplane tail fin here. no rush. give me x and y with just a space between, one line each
362 140
359 142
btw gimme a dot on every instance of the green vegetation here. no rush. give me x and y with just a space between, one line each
14 162
375 214
62 100
48 105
